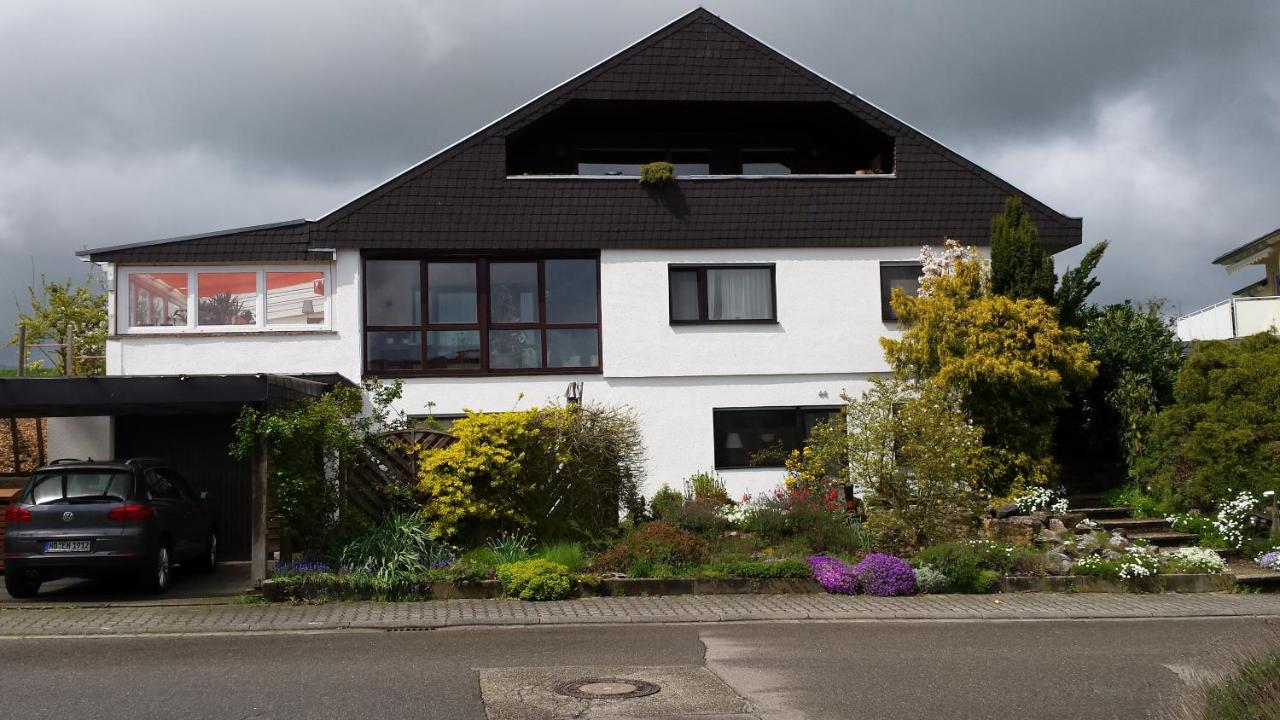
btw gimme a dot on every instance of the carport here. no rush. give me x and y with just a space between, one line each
186 420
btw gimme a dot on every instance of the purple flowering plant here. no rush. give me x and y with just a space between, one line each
884 575
877 574
833 574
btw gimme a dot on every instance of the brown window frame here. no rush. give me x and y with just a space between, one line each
722 416
482 325
703 303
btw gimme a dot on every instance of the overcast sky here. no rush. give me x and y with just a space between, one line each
1158 122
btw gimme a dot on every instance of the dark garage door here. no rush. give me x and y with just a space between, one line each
196 446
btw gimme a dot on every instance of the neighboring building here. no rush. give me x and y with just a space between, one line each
1253 308
731 308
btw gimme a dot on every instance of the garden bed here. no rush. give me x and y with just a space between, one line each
278 590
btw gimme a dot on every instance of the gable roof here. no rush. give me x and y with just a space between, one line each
461 198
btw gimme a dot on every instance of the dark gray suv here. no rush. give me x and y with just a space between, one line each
90 518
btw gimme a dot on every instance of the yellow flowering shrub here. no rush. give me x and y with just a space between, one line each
464 479
558 472
1010 361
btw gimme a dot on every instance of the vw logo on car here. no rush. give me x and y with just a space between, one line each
68 516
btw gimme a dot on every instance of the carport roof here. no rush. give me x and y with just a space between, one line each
155 394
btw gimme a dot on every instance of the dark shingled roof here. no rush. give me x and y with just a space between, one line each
461 198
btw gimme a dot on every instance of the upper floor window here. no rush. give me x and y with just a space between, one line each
905 276
613 138
722 293
483 315
225 299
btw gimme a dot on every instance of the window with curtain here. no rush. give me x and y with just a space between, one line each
904 276
721 293
482 315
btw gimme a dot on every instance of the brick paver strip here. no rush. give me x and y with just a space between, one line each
116 619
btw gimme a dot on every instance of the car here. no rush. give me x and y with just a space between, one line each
85 518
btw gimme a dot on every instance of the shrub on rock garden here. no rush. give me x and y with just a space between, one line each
921 458
788 568
652 544
1219 433
536 579
972 566
930 581
666 500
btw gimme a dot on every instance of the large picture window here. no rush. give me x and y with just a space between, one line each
904 276
762 437
483 315
224 299
721 293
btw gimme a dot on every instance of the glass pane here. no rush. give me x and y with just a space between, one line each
393 292
765 168
510 349
684 295
754 438
398 350
904 277
227 298
513 292
451 293
295 298
740 294
573 348
606 168
453 350
571 291
158 299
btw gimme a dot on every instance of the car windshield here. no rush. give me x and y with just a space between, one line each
79 487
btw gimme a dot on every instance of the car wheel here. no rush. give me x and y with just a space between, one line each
209 561
20 587
156 580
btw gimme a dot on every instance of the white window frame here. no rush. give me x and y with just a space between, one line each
124 299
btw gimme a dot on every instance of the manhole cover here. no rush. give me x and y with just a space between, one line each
606 689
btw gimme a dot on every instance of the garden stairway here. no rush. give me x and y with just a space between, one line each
1154 530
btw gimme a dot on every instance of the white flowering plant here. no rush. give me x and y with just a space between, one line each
1040 498
1194 560
1232 518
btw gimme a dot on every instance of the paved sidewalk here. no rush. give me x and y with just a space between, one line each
19 620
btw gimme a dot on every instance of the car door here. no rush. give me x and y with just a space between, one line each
166 506
196 523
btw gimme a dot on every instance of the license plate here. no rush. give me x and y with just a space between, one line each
68 546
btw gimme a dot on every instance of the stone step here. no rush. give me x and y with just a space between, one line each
1131 525
1101 512
1164 538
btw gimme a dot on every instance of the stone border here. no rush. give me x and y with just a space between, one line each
621 587
652 587
1201 583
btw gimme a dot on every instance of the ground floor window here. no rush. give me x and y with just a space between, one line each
762 437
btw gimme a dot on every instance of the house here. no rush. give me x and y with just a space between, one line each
1253 308
730 308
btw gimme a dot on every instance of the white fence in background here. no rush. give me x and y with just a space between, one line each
1232 318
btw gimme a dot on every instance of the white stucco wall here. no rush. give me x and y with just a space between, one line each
828 309
825 342
81 437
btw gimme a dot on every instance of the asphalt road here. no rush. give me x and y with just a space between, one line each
1045 670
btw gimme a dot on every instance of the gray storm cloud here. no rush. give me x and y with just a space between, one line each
125 121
